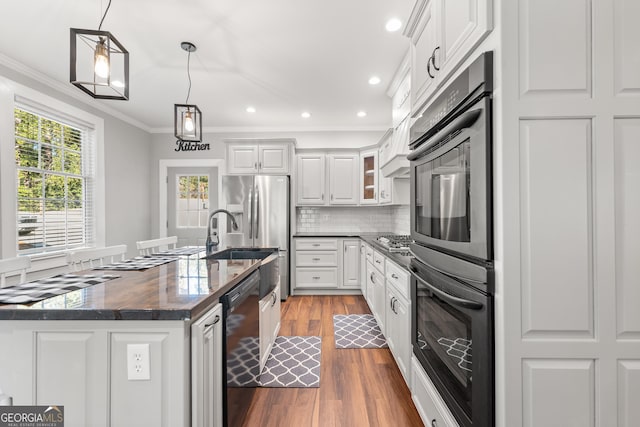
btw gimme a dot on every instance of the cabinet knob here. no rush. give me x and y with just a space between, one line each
434 423
332 197
322 196
260 164
255 165
394 275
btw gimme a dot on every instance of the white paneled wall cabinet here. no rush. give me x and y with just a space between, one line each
443 33
258 157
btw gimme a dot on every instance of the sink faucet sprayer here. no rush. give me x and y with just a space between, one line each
211 243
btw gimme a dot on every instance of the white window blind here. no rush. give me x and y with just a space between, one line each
55 163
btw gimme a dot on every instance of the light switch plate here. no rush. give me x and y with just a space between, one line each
138 367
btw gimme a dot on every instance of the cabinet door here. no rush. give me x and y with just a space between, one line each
275 314
398 323
369 177
343 179
378 297
265 329
424 43
242 158
463 24
310 182
351 263
273 158
206 369
363 269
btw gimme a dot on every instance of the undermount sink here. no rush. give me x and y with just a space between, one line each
241 253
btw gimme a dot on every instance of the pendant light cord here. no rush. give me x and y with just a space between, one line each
188 75
103 16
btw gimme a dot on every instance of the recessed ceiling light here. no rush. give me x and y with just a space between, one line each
362 113
251 109
305 114
393 24
374 80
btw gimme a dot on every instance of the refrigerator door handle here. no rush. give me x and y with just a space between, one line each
250 212
257 211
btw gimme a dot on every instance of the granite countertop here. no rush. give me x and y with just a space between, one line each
369 237
180 290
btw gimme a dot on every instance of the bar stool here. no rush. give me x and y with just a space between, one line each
88 258
148 247
13 266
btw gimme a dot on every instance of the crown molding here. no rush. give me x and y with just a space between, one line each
67 89
281 129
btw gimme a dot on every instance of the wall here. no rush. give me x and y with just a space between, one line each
126 152
163 147
370 219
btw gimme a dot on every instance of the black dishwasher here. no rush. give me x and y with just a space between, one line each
241 348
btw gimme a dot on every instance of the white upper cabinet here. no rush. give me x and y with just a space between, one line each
310 179
260 157
443 33
394 163
343 179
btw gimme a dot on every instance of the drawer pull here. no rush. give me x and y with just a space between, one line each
378 261
394 275
316 277
315 244
315 259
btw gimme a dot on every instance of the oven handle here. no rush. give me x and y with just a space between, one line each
446 273
464 121
461 302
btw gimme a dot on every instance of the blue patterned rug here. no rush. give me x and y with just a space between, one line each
293 362
357 331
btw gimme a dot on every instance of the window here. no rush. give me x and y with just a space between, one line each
192 200
55 182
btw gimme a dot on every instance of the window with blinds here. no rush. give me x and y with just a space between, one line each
55 167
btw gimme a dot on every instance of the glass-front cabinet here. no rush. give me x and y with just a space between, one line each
369 177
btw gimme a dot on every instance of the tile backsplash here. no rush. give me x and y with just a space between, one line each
393 219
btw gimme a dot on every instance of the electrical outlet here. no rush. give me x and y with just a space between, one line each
138 362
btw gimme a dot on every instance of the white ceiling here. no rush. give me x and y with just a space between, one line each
280 56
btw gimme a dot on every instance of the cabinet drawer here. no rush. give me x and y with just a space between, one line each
428 402
398 277
316 259
316 277
378 261
317 244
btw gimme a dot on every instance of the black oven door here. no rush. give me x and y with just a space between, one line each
452 334
451 185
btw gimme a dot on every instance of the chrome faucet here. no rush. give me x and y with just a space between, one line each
211 243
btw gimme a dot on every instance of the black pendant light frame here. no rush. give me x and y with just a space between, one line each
114 47
182 111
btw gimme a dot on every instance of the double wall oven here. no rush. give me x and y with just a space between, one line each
451 224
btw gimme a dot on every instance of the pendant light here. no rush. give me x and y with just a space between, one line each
99 64
188 117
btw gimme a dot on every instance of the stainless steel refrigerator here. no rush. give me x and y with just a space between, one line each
261 206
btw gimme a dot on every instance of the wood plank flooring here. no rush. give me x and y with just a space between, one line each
358 387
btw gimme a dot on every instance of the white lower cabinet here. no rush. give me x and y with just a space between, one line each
206 369
269 324
376 295
326 265
363 268
398 323
430 406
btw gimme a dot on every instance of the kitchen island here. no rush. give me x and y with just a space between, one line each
75 349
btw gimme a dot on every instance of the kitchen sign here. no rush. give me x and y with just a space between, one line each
191 146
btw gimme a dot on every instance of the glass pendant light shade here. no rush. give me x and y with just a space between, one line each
99 64
188 122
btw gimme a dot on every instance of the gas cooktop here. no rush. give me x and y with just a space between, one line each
398 243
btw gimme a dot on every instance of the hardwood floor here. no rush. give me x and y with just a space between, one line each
358 387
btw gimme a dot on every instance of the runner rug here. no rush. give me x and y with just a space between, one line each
357 331
50 287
